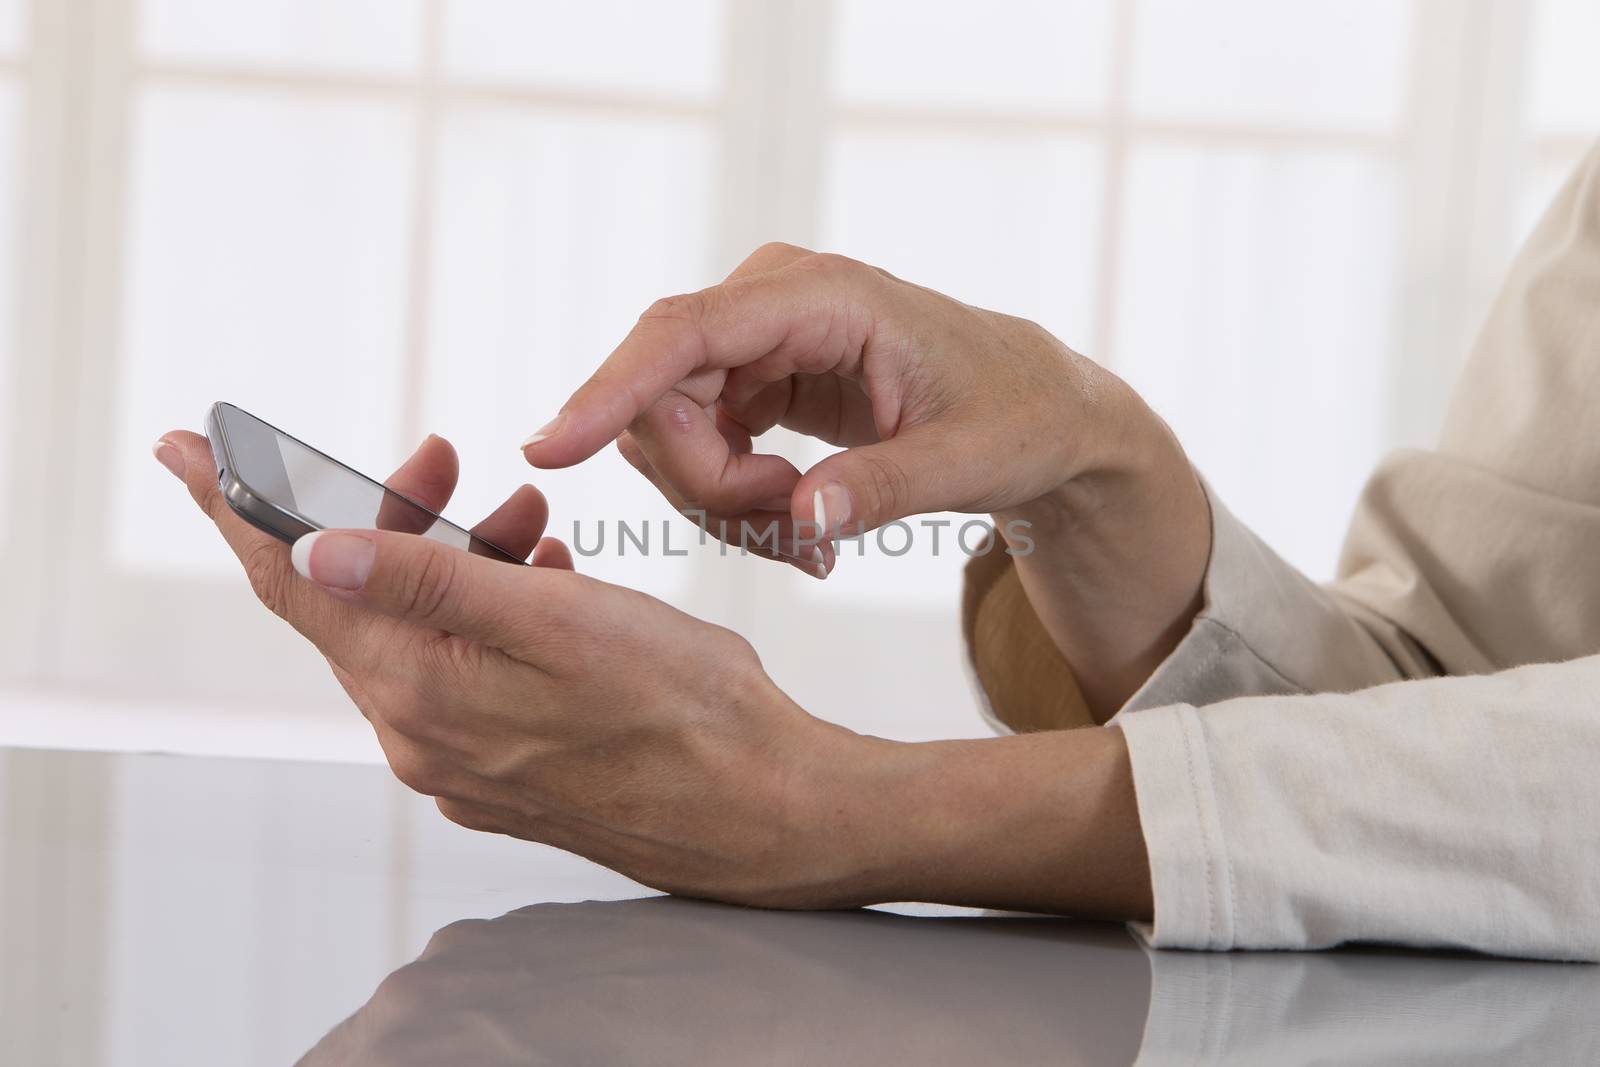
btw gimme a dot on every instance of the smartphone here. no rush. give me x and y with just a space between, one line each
283 486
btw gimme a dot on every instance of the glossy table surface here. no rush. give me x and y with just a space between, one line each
167 910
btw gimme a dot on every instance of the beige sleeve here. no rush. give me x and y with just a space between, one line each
1025 683
1455 811
1481 554
1286 805
1486 550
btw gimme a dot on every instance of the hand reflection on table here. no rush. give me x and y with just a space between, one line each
666 981
663 980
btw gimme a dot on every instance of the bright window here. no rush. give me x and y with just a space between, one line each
1562 111
372 219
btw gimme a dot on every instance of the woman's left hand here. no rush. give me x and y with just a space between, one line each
536 702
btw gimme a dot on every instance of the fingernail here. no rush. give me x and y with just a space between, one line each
169 457
819 563
831 504
336 560
550 429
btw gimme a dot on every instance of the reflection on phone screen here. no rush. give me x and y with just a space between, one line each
325 493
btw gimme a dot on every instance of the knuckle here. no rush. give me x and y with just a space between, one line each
684 307
269 577
428 586
832 264
777 250
449 662
212 504
698 494
674 415
717 501
887 485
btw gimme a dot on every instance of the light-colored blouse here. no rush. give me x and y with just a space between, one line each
1412 753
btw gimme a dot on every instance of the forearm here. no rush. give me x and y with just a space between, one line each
1045 822
1114 559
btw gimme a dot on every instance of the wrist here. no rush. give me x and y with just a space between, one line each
1113 559
843 817
1042 822
1125 467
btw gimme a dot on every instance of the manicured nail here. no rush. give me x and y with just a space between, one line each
831 503
336 560
548 430
169 457
819 563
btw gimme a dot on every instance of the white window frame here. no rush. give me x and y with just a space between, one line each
77 627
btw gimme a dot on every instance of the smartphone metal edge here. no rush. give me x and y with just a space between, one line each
258 511
281 523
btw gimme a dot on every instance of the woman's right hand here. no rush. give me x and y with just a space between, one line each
936 406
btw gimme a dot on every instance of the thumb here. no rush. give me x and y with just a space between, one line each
860 489
414 578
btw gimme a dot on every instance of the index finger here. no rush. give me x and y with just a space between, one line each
810 316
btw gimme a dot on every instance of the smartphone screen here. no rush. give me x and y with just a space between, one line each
292 477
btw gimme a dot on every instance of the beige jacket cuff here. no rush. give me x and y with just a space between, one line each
1266 629
1191 876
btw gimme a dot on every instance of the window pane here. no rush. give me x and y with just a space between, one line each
1029 53
381 35
1002 222
266 266
607 45
553 234
1323 62
1565 92
1254 316
9 165
11 25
